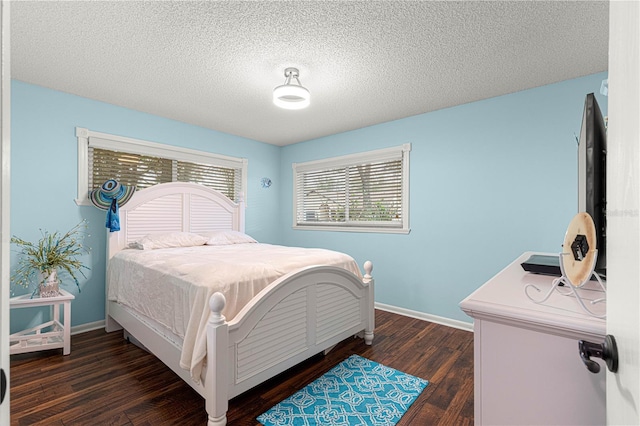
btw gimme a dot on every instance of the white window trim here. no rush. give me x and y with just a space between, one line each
87 138
346 160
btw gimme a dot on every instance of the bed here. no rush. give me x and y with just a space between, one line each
308 310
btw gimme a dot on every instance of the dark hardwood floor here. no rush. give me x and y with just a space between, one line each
107 381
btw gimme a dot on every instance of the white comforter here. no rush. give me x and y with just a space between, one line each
173 286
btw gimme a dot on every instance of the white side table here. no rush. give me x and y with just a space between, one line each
49 335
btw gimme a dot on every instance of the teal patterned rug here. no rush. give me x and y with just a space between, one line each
357 391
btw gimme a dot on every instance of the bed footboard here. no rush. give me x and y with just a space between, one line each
294 318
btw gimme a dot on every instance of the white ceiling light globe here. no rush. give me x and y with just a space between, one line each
289 96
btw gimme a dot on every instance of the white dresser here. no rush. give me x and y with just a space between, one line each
527 367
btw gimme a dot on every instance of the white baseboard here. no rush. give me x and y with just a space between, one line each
467 326
83 328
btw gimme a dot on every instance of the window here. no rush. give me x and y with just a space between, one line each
366 192
144 164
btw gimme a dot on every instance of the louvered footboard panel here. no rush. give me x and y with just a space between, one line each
337 310
279 335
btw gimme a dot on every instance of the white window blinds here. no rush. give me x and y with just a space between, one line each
144 164
142 171
361 192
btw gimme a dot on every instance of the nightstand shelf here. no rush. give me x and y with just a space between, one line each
52 334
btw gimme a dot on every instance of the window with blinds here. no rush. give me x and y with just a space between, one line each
144 171
361 192
144 164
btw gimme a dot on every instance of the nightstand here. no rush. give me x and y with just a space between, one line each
49 335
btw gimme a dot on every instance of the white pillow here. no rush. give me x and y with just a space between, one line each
168 240
223 238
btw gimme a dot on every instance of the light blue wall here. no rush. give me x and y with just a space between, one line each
44 176
489 180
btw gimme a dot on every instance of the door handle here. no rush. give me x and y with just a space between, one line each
607 350
3 385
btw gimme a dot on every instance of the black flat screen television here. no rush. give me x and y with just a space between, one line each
592 175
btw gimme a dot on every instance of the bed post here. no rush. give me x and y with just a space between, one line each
217 363
241 207
368 280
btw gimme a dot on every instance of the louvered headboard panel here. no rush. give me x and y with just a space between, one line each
175 206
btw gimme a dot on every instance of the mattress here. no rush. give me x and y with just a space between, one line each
172 286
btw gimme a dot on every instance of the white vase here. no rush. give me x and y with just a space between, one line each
49 284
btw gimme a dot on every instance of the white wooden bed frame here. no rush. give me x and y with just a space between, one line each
297 316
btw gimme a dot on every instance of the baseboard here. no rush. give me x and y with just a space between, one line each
467 326
83 328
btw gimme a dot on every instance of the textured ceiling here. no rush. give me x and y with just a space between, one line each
215 64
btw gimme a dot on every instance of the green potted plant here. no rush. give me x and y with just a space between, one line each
49 258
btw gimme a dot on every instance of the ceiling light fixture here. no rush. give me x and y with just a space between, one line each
291 96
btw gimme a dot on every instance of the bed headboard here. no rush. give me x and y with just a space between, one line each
175 206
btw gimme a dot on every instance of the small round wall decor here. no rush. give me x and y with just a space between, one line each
265 182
